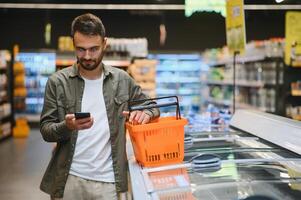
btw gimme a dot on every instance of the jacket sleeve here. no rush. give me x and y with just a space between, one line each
136 93
51 128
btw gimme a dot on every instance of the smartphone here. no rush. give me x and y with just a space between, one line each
81 115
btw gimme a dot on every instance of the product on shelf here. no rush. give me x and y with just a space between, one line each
144 73
5 129
296 88
65 43
5 95
20 90
294 112
126 47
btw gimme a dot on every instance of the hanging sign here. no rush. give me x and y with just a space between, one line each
292 53
235 26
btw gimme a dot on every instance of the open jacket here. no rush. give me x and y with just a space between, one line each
63 95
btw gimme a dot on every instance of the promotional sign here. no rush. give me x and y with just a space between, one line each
192 6
235 26
293 39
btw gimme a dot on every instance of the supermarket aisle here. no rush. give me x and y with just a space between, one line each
23 162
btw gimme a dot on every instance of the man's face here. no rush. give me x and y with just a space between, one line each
89 50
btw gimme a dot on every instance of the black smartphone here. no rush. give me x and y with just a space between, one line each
81 115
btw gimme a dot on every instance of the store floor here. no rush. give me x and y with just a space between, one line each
23 162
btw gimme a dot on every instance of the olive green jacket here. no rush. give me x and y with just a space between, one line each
63 95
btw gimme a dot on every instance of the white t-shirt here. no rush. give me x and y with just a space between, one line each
92 158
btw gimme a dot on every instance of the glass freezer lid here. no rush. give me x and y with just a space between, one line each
238 152
231 181
240 144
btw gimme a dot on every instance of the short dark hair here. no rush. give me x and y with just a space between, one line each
88 24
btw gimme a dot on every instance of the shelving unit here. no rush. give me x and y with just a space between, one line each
259 77
179 74
241 83
258 83
6 101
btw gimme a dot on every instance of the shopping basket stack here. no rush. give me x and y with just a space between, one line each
160 142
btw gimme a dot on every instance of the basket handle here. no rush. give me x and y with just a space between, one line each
143 107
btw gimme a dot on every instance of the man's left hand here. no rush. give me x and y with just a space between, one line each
137 117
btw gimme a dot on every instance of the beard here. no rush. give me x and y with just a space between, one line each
90 64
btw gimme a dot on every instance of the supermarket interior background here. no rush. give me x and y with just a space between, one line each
169 47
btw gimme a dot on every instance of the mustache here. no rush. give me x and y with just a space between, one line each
87 60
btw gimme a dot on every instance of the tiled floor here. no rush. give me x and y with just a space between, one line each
22 164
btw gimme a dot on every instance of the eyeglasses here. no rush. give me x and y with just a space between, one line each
80 51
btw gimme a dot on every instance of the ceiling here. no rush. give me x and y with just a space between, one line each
181 2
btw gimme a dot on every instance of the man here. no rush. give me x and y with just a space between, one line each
89 161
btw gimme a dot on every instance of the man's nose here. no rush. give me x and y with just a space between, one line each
87 54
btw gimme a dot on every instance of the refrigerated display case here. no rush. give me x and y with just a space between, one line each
39 65
179 74
259 156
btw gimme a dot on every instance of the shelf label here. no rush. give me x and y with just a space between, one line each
293 39
235 26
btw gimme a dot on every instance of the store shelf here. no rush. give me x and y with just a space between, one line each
173 68
229 103
163 91
5 118
256 84
65 62
243 59
3 101
177 80
114 63
29 117
2 69
117 63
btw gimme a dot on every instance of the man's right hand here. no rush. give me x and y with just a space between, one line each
78 124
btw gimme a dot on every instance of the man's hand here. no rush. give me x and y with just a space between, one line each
137 117
78 124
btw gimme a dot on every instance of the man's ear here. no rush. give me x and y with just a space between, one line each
104 43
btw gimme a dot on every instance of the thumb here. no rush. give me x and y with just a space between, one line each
69 116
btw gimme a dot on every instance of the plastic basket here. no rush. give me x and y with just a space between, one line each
160 142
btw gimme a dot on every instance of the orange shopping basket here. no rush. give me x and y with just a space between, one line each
161 141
